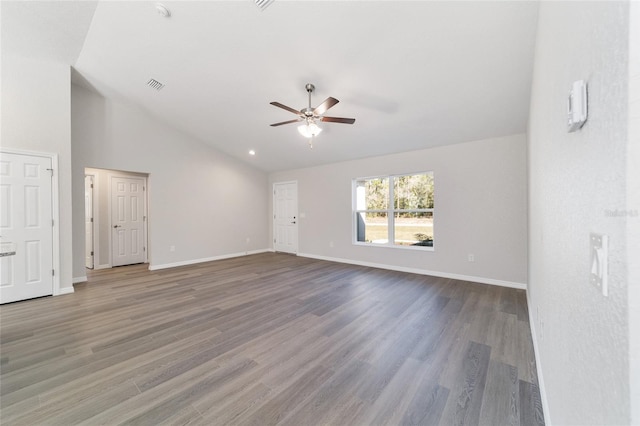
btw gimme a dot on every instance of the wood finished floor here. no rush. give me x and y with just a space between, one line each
269 339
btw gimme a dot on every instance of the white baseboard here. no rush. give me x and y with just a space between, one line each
543 392
105 266
207 259
64 290
77 280
482 280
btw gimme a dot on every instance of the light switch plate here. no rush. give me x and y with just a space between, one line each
599 262
577 106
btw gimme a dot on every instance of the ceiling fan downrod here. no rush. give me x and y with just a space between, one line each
310 88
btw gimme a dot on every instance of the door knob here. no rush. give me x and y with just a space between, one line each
116 226
294 222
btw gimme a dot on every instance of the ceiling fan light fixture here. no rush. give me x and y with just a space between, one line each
309 130
308 116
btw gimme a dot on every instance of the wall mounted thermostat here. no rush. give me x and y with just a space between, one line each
577 106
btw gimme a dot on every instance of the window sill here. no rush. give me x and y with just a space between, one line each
394 246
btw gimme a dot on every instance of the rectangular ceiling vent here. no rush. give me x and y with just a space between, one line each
155 84
263 4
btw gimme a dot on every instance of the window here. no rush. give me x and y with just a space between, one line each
394 211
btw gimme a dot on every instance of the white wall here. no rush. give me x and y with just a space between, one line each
576 180
480 208
633 203
201 201
36 117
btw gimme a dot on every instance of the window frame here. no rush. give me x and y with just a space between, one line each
390 212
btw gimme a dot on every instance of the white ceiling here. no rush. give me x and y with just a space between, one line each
414 74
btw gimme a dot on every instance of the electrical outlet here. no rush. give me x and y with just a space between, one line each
330 243
248 240
172 248
471 258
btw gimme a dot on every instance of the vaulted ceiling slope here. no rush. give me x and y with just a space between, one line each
414 74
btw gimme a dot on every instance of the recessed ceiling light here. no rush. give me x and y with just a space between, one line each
252 152
162 10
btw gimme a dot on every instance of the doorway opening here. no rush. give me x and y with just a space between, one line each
116 218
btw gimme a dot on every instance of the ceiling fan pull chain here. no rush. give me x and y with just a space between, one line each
311 142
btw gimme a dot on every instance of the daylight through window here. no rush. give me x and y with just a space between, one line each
394 210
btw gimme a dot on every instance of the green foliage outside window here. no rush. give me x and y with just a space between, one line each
406 219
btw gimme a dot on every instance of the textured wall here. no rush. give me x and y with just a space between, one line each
575 181
480 208
633 203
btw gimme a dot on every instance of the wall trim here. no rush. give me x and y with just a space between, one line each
207 259
536 352
77 280
482 280
64 290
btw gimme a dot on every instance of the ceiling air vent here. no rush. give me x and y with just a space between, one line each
155 84
263 4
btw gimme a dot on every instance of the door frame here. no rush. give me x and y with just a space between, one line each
273 214
145 209
55 213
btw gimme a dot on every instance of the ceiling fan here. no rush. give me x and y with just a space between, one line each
309 115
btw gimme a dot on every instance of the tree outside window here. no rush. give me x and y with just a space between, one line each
395 210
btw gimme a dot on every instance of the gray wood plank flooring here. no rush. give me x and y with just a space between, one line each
269 339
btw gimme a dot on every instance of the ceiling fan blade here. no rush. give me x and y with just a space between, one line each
285 122
328 103
338 120
279 105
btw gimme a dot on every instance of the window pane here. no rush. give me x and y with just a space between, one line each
372 194
413 192
413 229
372 228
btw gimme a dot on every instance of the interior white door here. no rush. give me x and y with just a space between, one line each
26 227
88 221
285 217
127 220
